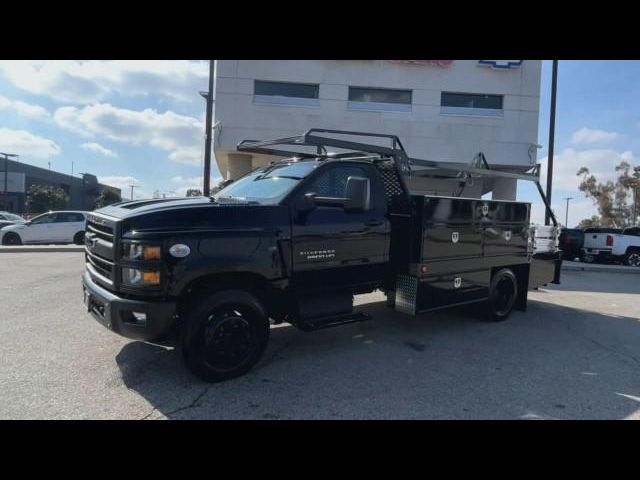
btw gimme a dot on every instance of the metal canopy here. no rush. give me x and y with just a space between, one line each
396 152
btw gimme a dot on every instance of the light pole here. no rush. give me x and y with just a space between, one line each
132 187
552 131
207 135
566 217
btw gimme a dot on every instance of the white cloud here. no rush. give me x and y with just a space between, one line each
600 162
579 209
179 135
185 184
26 144
124 184
588 135
23 109
75 81
97 148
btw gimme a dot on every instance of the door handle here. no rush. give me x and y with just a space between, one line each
373 222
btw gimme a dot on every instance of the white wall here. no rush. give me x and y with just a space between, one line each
425 132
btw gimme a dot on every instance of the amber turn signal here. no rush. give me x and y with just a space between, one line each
151 277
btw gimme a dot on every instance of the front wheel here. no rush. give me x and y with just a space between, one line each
11 239
632 259
78 238
503 292
224 335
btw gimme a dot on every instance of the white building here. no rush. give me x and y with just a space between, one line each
446 110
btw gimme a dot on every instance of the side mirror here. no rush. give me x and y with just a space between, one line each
358 194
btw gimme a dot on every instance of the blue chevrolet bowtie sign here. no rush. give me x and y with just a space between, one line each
504 64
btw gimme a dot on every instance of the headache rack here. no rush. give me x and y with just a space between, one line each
402 163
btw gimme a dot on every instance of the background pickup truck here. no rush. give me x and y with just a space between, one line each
610 244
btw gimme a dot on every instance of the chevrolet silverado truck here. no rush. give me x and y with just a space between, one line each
613 245
295 240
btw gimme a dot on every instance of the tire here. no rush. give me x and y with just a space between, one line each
503 292
586 258
224 335
632 259
11 238
78 238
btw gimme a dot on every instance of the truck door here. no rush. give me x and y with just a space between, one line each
333 248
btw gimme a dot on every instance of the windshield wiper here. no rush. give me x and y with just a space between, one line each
262 177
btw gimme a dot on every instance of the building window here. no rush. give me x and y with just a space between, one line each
385 99
471 104
286 93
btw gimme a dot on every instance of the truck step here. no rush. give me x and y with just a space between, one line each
332 321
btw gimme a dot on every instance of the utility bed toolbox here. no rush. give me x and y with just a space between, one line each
455 228
456 243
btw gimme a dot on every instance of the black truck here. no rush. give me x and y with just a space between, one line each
295 240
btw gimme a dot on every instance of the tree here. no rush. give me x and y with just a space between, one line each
617 202
220 186
42 198
594 221
194 192
107 196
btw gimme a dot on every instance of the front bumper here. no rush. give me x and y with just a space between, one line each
116 313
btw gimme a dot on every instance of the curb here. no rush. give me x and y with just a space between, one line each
40 249
601 269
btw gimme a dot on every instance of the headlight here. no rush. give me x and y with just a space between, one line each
136 251
133 276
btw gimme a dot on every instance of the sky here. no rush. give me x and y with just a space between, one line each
142 123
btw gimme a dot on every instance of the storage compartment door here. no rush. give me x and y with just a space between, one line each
448 229
505 227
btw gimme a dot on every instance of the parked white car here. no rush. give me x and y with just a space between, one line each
52 227
8 218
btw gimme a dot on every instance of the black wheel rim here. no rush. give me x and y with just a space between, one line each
11 239
229 339
634 260
503 296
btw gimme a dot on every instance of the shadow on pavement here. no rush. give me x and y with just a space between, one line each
552 362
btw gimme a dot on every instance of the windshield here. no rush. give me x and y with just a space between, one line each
15 218
267 184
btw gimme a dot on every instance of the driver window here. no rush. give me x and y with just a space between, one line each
333 182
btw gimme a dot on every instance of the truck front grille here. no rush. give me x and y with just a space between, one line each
104 232
101 266
100 248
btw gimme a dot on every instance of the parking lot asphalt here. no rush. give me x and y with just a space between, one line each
575 354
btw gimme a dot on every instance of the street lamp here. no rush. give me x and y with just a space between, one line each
566 218
132 187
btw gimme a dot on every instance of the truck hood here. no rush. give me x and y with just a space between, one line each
149 218
137 207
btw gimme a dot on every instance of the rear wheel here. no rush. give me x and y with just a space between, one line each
632 259
588 258
11 239
224 335
78 238
503 292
